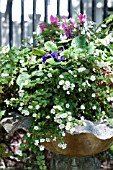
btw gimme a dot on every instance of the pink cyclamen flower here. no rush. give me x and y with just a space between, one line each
82 18
42 26
53 19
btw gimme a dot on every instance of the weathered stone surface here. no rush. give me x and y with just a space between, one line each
86 140
60 162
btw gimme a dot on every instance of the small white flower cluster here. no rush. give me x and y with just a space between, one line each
25 112
110 99
58 107
49 75
41 147
81 69
66 85
62 145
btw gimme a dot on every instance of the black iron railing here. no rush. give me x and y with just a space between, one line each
9 14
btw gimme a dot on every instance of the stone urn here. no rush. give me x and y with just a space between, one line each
82 145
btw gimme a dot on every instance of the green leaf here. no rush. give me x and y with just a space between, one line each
50 46
53 62
2 113
39 52
79 41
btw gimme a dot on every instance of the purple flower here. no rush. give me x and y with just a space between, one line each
43 26
53 19
82 18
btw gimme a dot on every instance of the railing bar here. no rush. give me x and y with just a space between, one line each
105 9
81 7
58 7
10 25
94 10
70 8
34 20
22 20
46 11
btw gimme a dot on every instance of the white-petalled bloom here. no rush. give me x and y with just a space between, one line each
28 135
61 82
63 146
65 87
21 93
58 86
84 84
82 107
42 140
30 107
61 76
68 92
63 134
68 126
75 75
54 139
6 101
58 107
37 107
72 86
67 83
69 118
81 69
25 112
4 75
109 99
49 75
92 78
67 105
34 114
94 107
47 140
36 142
36 127
79 89
52 111
20 108
93 95
61 126
47 117
41 147
64 115
70 71
57 120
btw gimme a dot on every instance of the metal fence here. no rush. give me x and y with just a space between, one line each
8 14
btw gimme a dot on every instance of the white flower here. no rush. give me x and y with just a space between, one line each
82 118
12 99
4 75
57 115
36 127
81 69
61 126
69 118
68 92
79 89
88 83
61 76
67 105
84 84
37 107
34 114
30 107
47 117
65 87
36 142
21 104
69 71
49 75
47 140
28 135
61 82
58 107
42 140
92 78
94 107
58 86
82 107
21 93
68 126
25 112
93 95
64 115
75 57
75 75
109 99
72 86
40 67
20 108
63 146
52 111
54 139
63 134
6 101
67 83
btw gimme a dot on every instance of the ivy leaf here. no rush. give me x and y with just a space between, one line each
39 52
79 41
50 46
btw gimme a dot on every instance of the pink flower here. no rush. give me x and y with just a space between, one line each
43 26
82 18
53 19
